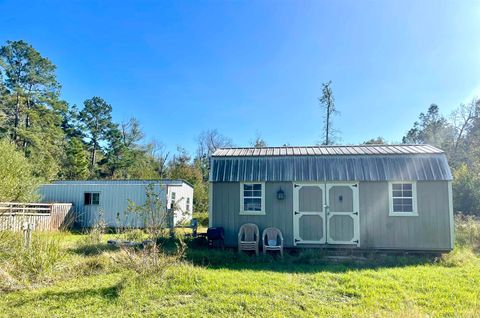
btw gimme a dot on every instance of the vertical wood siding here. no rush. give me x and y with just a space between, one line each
226 209
430 230
60 216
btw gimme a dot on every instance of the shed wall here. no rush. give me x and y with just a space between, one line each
113 202
430 230
226 209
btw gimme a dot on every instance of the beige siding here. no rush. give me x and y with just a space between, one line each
430 230
226 209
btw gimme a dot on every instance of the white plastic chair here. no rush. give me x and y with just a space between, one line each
272 240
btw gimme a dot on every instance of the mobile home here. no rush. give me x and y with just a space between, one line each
395 197
109 199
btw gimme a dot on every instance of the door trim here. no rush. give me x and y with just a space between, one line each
355 215
326 240
296 235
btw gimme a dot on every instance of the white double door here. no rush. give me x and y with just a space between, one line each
326 213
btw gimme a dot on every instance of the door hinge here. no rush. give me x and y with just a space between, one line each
355 185
356 241
297 240
296 185
355 213
296 212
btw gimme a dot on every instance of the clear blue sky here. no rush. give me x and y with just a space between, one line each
244 67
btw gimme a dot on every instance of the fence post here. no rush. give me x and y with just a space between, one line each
27 233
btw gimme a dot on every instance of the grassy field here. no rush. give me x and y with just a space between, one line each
77 275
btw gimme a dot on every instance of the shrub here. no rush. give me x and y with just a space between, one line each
467 232
17 182
26 266
202 218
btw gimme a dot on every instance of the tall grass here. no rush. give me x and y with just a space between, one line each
27 266
467 232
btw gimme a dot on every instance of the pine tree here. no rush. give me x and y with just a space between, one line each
31 106
76 163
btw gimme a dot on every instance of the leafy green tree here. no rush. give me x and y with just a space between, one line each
181 167
31 108
96 122
76 162
466 190
431 128
17 180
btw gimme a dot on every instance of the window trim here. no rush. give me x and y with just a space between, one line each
242 211
414 199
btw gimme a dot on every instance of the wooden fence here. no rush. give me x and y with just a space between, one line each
43 216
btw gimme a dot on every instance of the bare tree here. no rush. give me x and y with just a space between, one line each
159 154
258 142
131 132
463 118
327 103
209 141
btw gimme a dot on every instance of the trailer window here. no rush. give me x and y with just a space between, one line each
402 198
91 198
252 198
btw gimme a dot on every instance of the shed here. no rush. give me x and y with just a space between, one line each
109 199
394 197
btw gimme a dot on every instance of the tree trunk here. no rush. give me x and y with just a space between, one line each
93 160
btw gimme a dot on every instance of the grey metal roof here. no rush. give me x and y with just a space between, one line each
327 150
171 182
352 163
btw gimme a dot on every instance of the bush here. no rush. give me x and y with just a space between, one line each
467 232
17 182
202 218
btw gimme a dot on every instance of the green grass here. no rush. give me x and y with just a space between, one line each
217 283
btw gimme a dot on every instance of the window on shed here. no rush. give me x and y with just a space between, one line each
403 198
252 198
172 201
188 205
91 198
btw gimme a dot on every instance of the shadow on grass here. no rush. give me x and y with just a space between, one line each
110 293
93 249
300 260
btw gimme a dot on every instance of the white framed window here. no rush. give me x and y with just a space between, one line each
252 198
188 205
402 198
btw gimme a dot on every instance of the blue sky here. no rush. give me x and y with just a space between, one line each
248 67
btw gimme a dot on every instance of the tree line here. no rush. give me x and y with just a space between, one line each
43 137
46 138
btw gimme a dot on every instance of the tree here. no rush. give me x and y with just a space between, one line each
180 167
466 190
258 142
32 111
17 180
76 166
327 103
210 140
376 141
432 128
96 121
